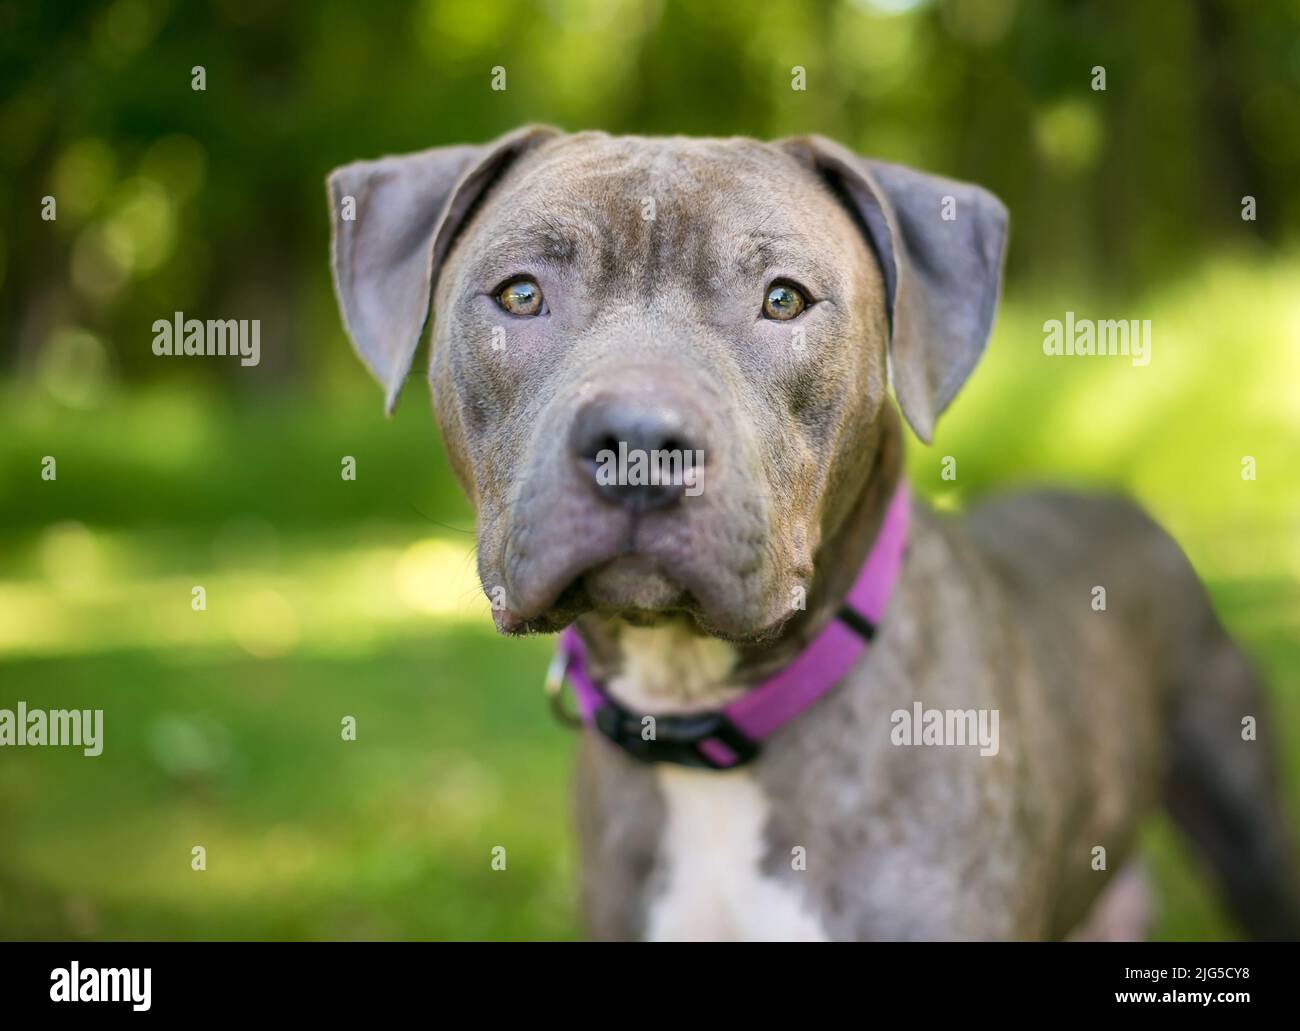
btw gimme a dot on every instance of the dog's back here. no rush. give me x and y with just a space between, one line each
1193 727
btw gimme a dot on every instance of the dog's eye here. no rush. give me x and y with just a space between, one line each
783 302
520 297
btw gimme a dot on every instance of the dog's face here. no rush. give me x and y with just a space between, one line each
727 302
706 297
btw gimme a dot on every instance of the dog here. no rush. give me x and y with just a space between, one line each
816 709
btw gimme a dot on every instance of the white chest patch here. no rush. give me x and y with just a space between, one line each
713 846
713 843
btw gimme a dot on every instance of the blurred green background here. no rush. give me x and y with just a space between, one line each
329 598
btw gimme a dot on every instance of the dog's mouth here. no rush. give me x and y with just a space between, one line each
640 591
561 551
633 587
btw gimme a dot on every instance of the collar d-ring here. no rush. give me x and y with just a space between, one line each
555 676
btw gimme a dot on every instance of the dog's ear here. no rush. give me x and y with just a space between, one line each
940 244
393 221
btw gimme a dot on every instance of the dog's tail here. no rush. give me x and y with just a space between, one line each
1222 787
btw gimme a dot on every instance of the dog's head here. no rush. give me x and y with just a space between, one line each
659 365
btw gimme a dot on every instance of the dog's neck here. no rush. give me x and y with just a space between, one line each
671 667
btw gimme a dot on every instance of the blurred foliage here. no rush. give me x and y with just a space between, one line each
212 202
329 597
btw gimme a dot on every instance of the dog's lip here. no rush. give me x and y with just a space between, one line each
634 583
569 598
550 616
567 593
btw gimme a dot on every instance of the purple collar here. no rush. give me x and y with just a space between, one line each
730 736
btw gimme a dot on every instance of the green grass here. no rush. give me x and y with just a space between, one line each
388 836
307 835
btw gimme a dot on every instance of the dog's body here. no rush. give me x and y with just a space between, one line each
992 612
625 273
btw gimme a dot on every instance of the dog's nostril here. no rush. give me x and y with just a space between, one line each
634 455
607 443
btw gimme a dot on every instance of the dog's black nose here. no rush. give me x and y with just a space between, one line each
636 453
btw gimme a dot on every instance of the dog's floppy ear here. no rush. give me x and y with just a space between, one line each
393 221
940 244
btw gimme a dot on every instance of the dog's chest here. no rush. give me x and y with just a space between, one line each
712 853
711 882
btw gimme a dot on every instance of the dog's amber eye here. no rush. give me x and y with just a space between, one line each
783 302
520 297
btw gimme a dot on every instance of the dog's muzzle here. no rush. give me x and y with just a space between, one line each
732 736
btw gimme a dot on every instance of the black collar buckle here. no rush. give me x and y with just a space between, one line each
676 739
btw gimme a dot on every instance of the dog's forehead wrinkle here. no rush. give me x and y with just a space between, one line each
650 206
654 259
628 342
